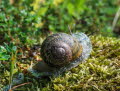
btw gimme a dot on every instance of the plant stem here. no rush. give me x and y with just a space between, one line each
12 64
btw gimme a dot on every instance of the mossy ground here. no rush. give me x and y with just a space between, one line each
100 72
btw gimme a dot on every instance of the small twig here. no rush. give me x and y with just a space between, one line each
19 86
116 19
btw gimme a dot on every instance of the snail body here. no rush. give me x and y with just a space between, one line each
61 52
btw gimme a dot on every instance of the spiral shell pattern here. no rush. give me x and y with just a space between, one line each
60 49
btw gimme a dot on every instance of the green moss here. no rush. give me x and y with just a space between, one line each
101 72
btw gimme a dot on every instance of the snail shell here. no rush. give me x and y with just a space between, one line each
60 49
61 52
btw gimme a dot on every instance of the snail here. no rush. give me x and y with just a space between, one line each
61 52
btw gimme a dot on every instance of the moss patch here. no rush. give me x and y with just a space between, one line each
101 72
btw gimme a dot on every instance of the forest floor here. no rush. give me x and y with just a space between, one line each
100 72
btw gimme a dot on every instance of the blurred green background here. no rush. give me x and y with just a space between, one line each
24 21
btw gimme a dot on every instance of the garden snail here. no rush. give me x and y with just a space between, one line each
61 52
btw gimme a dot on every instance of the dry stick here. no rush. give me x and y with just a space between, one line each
116 19
11 1
19 86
